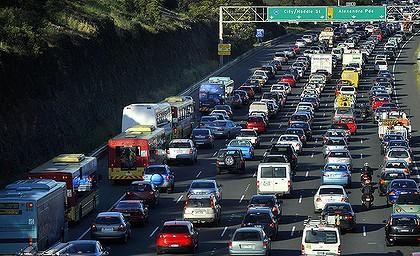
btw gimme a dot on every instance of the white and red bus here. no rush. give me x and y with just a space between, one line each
182 109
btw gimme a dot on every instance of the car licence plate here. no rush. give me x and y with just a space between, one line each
247 246
198 212
266 183
174 245
405 230
107 229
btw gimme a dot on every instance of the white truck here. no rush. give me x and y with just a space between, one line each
327 35
352 56
321 62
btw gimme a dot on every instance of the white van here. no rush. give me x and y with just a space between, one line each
258 106
320 238
274 178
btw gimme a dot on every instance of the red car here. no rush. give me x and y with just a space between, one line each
349 123
296 49
134 210
290 80
177 236
257 123
249 90
379 101
378 34
143 190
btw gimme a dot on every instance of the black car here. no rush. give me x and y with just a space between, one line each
305 126
402 227
341 213
264 218
230 160
287 150
299 132
269 201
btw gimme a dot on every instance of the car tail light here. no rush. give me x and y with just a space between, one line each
93 228
345 175
121 227
381 182
344 199
348 217
275 210
168 178
339 250
289 184
230 244
398 209
302 249
191 151
258 183
185 204
392 193
212 205
272 225
265 244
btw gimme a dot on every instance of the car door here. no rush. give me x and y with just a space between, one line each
265 178
281 178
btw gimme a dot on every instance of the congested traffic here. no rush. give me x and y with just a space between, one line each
270 122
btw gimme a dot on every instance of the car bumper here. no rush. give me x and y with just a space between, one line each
400 237
107 235
168 249
247 252
180 157
202 142
200 219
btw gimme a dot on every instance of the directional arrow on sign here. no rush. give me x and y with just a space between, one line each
322 17
271 17
381 16
299 17
353 16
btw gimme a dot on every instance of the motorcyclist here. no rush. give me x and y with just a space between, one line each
367 195
368 189
367 170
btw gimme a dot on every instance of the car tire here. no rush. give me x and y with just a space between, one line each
230 161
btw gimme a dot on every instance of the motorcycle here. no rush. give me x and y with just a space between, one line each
365 179
367 200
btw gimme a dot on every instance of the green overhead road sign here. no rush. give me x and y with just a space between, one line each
359 13
326 13
296 13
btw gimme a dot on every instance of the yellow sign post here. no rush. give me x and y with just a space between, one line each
224 49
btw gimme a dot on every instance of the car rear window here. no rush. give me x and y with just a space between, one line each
201 132
224 153
247 236
180 145
155 169
273 172
128 205
247 134
79 248
338 154
202 184
265 200
140 188
175 229
398 154
338 207
197 203
330 191
255 119
321 236
107 220
404 221
275 159
336 143
240 143
393 175
208 118
404 184
257 218
412 199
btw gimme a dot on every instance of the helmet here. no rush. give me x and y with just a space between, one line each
366 165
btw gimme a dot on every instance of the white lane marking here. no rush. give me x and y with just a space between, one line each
300 199
272 139
293 231
326 104
316 141
320 127
154 231
312 156
254 175
224 231
307 173
280 125
87 231
265 154
361 141
198 174
324 114
214 154
179 198
247 187
361 155
364 231
242 198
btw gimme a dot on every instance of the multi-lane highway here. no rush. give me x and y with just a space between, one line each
366 239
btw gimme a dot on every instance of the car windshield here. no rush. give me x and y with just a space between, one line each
321 236
202 184
201 132
175 229
404 221
404 184
155 169
335 168
247 236
107 220
239 143
339 154
219 123
275 159
208 118
299 125
247 134
398 154
336 143
331 191
127 205
337 207
179 145
140 187
197 203
257 218
412 199
273 172
289 138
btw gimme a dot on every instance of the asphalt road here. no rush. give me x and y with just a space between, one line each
366 239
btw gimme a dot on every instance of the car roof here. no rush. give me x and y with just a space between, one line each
109 214
177 223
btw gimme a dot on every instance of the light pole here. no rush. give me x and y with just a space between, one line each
338 2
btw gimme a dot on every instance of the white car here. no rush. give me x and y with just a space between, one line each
320 237
291 139
281 88
329 194
308 39
381 57
339 156
348 90
301 43
250 135
262 73
182 150
381 65
281 56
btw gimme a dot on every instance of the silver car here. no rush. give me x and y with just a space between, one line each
340 156
202 209
182 150
334 143
224 128
249 241
202 187
110 225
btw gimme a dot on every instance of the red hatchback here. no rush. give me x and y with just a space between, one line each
143 190
290 80
257 123
133 210
379 101
177 236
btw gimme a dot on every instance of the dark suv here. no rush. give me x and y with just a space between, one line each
287 150
402 227
231 160
262 217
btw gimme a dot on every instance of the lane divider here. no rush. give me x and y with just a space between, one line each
364 231
293 231
179 198
198 174
300 199
154 231
224 231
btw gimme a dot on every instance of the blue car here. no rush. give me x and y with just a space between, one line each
161 176
336 174
245 146
398 187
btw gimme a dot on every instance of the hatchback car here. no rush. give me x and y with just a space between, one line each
291 139
224 128
387 176
329 194
78 247
160 176
402 227
400 186
249 241
110 225
334 143
202 209
202 187
257 123
340 214
231 160
336 174
339 156
133 210
399 154
287 150
143 190
182 150
251 135
243 145
202 137
177 236
261 217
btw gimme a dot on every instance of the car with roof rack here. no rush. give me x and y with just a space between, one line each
320 238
